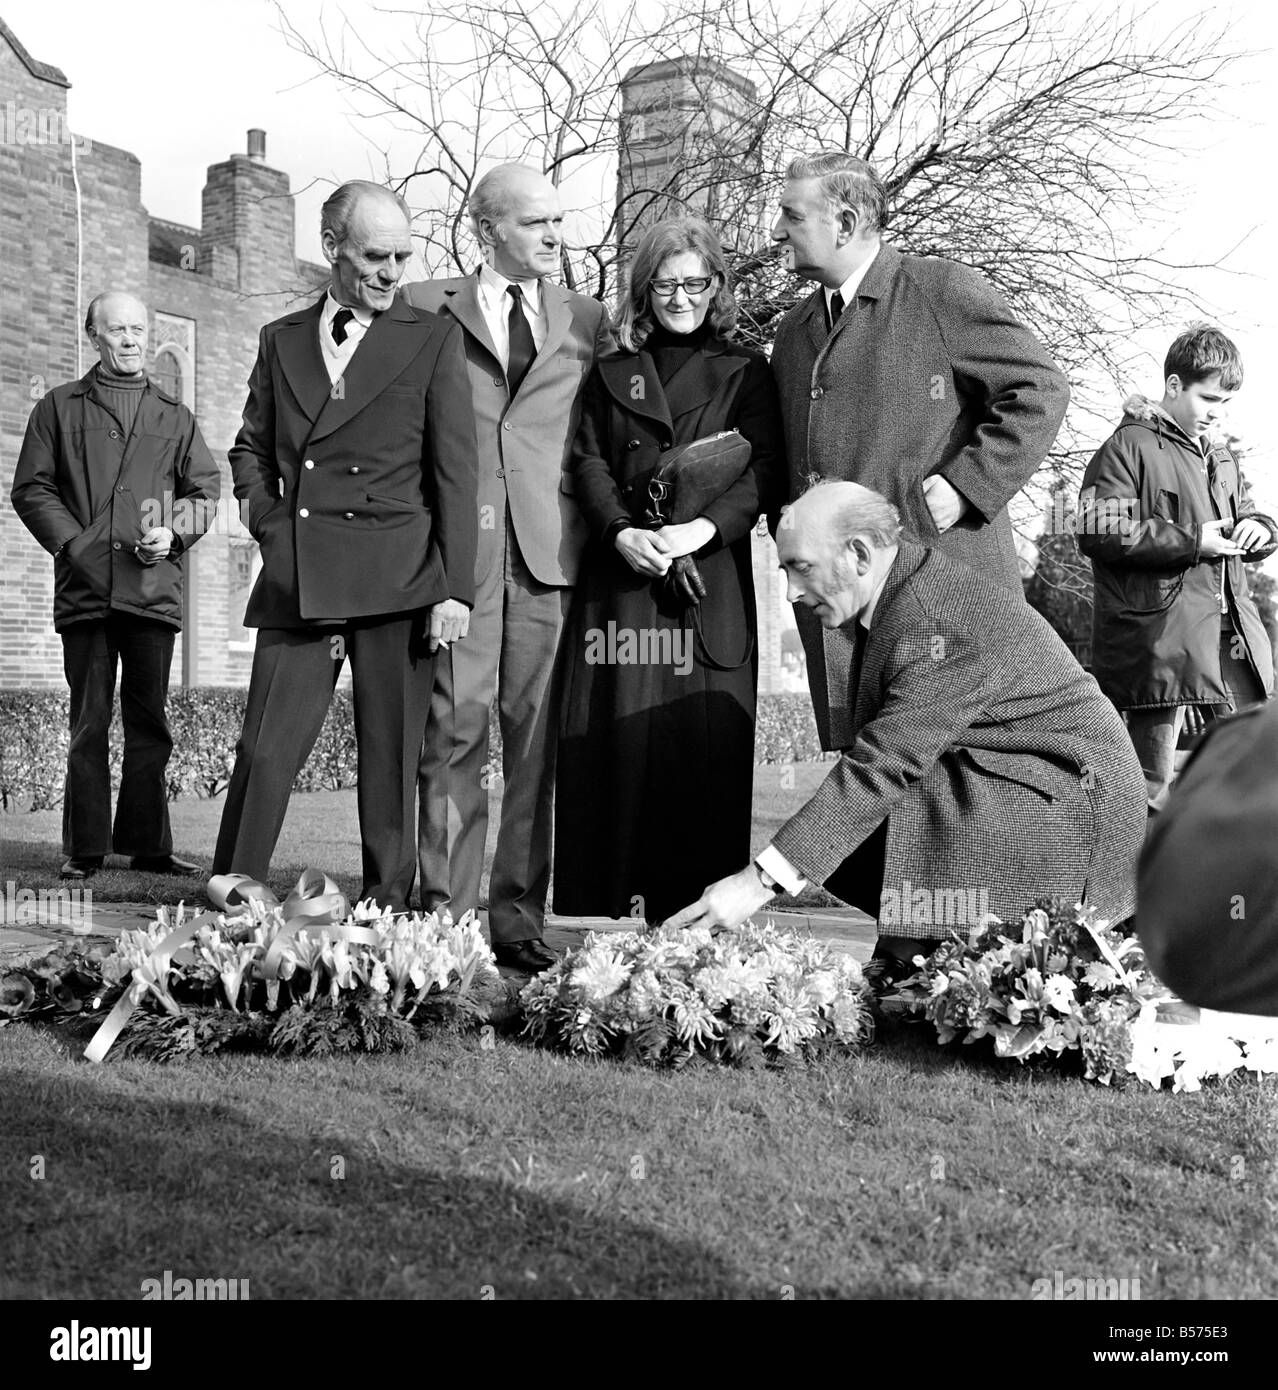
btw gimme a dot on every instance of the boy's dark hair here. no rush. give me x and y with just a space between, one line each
1201 351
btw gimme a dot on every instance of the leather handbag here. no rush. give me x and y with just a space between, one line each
686 480
693 475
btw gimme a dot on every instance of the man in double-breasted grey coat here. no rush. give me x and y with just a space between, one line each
982 767
907 374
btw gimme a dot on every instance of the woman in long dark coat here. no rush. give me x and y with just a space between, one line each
656 735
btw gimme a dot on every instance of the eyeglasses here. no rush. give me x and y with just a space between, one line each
697 284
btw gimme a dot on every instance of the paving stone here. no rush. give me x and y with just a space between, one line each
845 930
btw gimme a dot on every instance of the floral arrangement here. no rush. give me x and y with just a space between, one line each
743 997
1063 981
256 979
61 983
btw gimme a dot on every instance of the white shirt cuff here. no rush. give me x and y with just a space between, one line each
777 866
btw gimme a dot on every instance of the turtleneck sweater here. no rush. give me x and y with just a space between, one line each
123 394
669 351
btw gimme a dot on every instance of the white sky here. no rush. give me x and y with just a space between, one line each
178 82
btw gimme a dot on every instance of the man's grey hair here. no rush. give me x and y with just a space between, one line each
490 199
857 511
335 215
846 182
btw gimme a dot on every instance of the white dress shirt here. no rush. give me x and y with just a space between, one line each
770 859
494 304
849 287
338 355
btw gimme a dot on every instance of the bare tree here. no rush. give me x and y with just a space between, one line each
1030 139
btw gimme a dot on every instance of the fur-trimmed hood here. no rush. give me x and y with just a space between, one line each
1140 407
1142 410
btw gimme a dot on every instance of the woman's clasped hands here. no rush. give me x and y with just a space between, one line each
651 552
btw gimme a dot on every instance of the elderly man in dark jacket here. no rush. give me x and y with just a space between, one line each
103 460
982 767
1167 520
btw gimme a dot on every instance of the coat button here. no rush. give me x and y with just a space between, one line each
303 512
350 516
817 393
115 545
634 444
499 381
501 472
120 488
310 463
353 470
506 425
115 434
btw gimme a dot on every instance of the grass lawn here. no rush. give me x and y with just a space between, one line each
320 831
905 1173
478 1163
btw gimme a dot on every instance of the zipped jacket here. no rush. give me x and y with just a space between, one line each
1159 603
88 493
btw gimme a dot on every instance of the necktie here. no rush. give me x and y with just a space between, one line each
858 657
836 308
522 350
338 328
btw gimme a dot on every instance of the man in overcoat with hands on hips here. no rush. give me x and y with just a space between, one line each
907 374
357 463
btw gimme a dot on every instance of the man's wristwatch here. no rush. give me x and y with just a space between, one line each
766 878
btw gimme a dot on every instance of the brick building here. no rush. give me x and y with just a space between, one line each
72 224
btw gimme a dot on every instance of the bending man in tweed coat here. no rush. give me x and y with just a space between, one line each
983 766
907 374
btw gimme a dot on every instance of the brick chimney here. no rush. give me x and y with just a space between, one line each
247 223
686 129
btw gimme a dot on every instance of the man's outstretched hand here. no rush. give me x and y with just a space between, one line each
725 904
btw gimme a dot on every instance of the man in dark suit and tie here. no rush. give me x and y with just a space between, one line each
357 463
908 375
529 348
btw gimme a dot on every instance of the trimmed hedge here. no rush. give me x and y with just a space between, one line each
205 723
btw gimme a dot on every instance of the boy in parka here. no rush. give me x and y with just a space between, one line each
1167 520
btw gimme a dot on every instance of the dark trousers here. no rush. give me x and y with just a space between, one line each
92 651
294 673
859 879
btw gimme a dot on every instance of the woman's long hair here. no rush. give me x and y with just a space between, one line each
671 237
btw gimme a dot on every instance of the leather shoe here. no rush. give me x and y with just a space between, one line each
164 864
80 868
533 956
886 968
